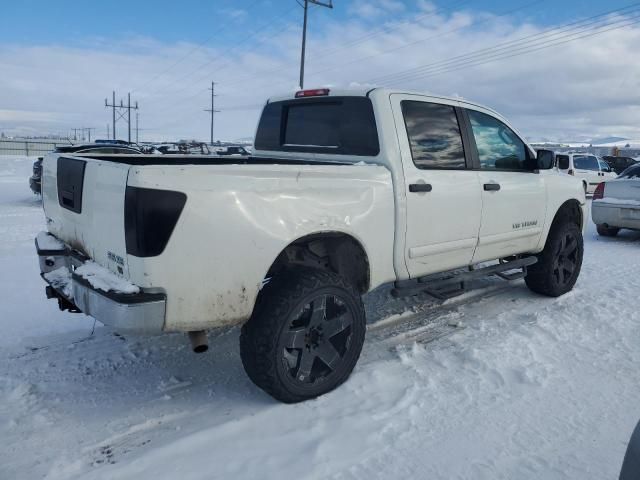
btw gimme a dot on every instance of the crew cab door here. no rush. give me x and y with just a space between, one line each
443 204
513 193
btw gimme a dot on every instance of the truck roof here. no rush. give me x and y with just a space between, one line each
367 91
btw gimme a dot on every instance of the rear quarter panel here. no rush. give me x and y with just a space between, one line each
237 220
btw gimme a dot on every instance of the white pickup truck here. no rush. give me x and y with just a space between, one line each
345 191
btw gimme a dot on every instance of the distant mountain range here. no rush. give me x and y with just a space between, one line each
603 140
586 141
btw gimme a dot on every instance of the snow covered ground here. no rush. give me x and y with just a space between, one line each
499 384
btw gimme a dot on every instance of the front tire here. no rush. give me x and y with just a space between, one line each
559 264
605 231
305 335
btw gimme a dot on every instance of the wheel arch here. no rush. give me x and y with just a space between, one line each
570 210
331 250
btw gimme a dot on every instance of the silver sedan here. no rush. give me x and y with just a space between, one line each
616 203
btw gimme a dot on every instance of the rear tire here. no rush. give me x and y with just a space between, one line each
559 264
305 335
605 231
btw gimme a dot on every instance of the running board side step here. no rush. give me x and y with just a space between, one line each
456 283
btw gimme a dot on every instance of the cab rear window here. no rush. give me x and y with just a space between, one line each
332 125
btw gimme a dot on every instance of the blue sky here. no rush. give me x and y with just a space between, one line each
60 59
75 22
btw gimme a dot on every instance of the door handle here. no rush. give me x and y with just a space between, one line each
420 187
491 187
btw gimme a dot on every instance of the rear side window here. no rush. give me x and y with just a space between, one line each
586 162
434 135
563 161
333 125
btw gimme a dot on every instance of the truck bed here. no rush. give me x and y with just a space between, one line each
239 214
170 159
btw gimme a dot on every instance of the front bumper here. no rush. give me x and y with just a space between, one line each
142 312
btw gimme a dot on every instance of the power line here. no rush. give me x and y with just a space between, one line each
574 25
523 45
405 45
215 58
200 91
190 52
384 30
591 34
422 40
505 48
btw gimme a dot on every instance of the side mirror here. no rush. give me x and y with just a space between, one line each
545 159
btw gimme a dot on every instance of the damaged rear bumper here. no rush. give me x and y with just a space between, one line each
141 312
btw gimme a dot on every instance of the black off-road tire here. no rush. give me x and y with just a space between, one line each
286 315
559 264
607 231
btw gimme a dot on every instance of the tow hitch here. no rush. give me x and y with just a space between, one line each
63 303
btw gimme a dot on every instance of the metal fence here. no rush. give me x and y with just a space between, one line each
29 147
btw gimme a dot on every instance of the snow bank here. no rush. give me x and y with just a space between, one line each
46 241
60 279
103 279
617 201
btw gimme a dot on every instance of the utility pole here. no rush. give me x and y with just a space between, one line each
136 126
213 107
108 131
121 112
113 111
83 131
304 33
88 129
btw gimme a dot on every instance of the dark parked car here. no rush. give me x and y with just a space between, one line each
233 150
619 164
184 148
35 181
631 465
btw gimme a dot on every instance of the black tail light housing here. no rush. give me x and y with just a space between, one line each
150 216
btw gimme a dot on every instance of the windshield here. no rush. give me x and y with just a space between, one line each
585 162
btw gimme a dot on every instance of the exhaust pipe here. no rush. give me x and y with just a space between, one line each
199 341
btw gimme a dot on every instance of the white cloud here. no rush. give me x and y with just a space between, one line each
375 8
236 13
590 87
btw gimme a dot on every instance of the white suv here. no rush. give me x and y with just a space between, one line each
586 167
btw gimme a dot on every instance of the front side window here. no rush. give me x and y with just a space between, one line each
434 135
586 162
499 148
604 166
